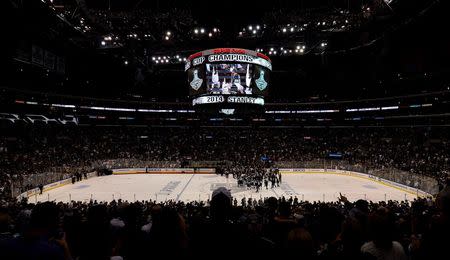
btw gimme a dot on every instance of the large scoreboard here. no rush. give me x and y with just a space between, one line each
228 77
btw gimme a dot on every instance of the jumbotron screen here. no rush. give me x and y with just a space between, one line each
228 75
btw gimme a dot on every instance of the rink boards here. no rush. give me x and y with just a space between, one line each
307 184
369 177
164 171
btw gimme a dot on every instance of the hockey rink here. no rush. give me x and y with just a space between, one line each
190 187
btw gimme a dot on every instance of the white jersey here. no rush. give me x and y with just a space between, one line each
215 77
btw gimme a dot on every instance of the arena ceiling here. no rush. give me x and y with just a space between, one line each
352 49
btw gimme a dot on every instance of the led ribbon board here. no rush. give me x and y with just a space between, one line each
217 99
228 55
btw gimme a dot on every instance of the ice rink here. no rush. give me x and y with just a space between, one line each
189 187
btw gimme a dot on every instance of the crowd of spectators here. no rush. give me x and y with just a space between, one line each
281 226
141 229
29 150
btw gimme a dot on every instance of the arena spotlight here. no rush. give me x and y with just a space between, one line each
168 33
153 58
125 62
284 30
103 43
210 34
254 31
202 30
250 27
196 31
257 27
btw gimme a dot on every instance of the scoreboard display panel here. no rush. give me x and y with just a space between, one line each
228 76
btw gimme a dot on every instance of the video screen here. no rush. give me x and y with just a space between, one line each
229 79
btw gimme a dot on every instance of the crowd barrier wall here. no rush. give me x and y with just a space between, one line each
164 171
51 186
377 179
402 187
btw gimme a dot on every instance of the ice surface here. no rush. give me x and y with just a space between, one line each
189 187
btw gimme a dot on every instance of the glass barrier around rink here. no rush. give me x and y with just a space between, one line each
417 181
23 183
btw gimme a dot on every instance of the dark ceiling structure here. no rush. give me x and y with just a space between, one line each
321 50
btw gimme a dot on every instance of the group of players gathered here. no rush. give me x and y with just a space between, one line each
256 176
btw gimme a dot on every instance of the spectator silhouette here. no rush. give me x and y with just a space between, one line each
169 232
381 230
218 233
97 236
436 238
43 240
